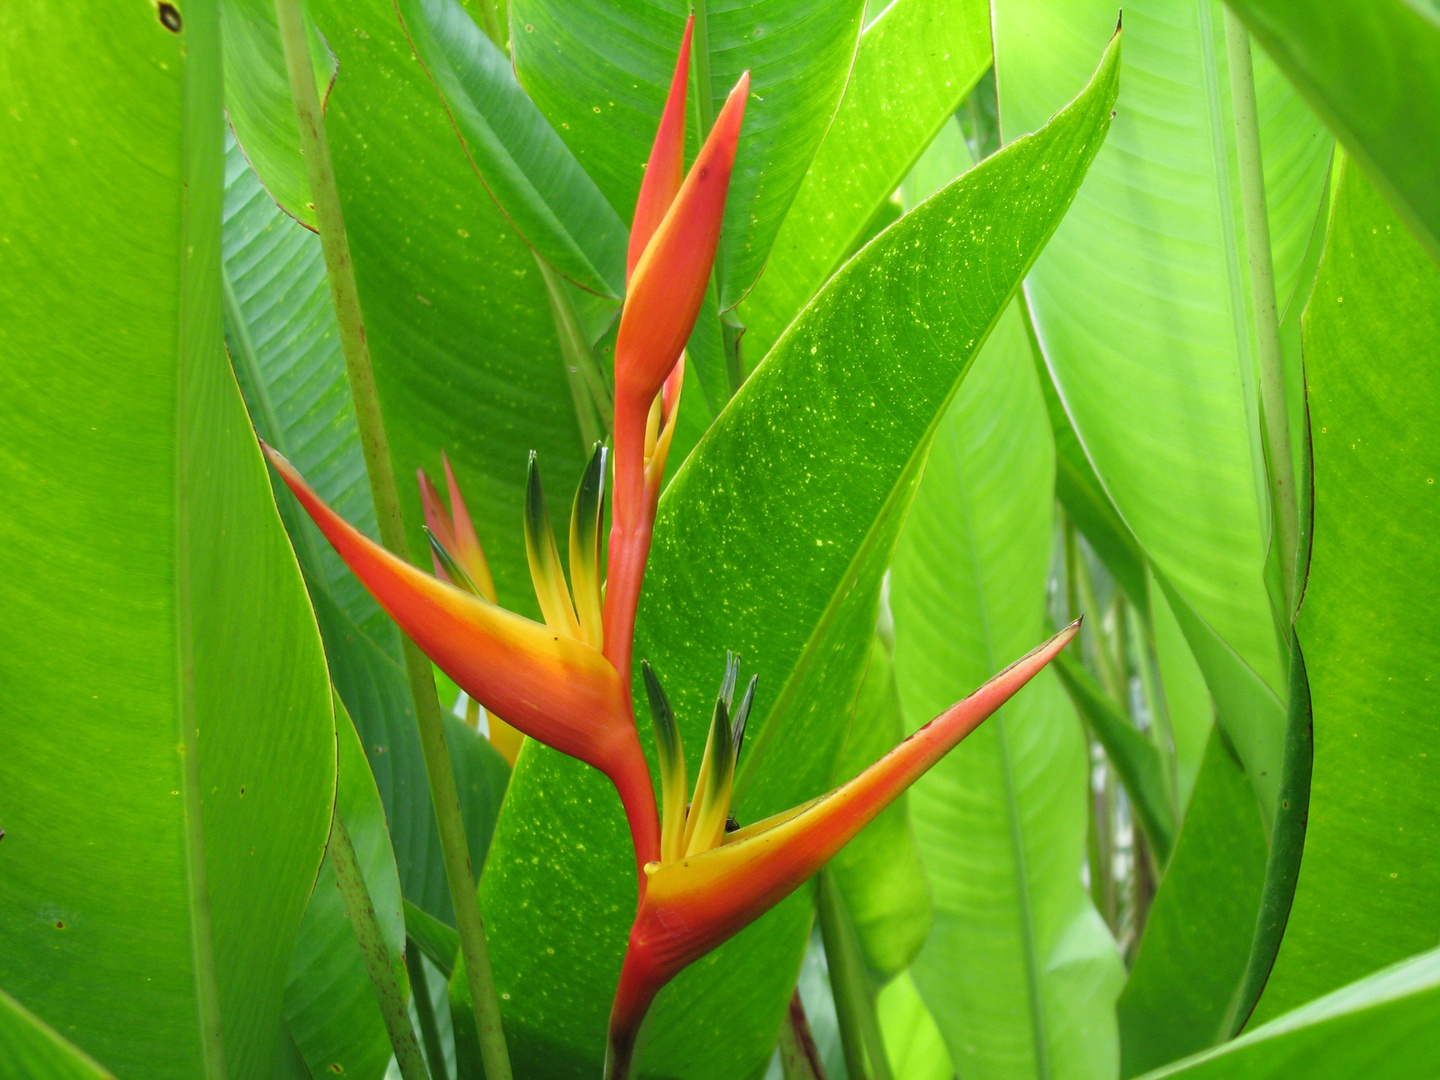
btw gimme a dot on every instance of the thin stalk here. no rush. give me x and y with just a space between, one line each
1109 677
425 1010
1072 561
340 270
1276 430
592 397
378 961
799 1057
860 1035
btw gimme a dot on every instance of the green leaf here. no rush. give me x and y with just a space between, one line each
1382 1028
439 942
258 103
34 1051
522 162
461 336
1188 708
912 1041
1198 935
1135 757
917 61
1019 971
1143 311
1371 68
286 352
796 492
169 759
600 70
879 873
1366 625
330 1006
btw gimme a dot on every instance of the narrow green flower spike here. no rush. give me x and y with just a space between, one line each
544 558
586 515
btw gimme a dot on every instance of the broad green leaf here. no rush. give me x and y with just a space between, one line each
285 351
1198 935
169 759
1134 756
1142 308
600 69
917 61
1382 1028
1371 68
1366 625
330 1006
1188 708
34 1051
913 1043
522 162
879 873
258 102
461 335
1019 971
771 541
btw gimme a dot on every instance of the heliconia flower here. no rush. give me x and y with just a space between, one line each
709 883
674 237
549 683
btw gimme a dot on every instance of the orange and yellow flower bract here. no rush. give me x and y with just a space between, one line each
545 683
690 906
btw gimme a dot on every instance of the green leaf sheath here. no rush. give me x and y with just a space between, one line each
170 766
1367 624
461 335
527 169
330 1002
771 541
600 69
33 1050
916 62
1201 924
1382 1028
1371 68
1141 306
1019 971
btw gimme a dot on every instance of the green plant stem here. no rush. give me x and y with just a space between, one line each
592 397
378 961
1276 426
860 1034
425 1010
341 273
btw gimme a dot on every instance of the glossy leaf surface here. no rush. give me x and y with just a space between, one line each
460 330
522 162
33 1051
757 513
916 62
1382 1028
1143 309
1019 971
1371 68
599 69
170 767
285 352
1366 625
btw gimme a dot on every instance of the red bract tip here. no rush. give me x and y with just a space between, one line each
666 168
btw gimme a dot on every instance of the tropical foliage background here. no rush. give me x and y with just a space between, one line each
1169 363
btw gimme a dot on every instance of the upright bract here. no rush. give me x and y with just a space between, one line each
666 285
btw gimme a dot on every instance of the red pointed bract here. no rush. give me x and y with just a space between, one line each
665 170
467 550
549 686
690 907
